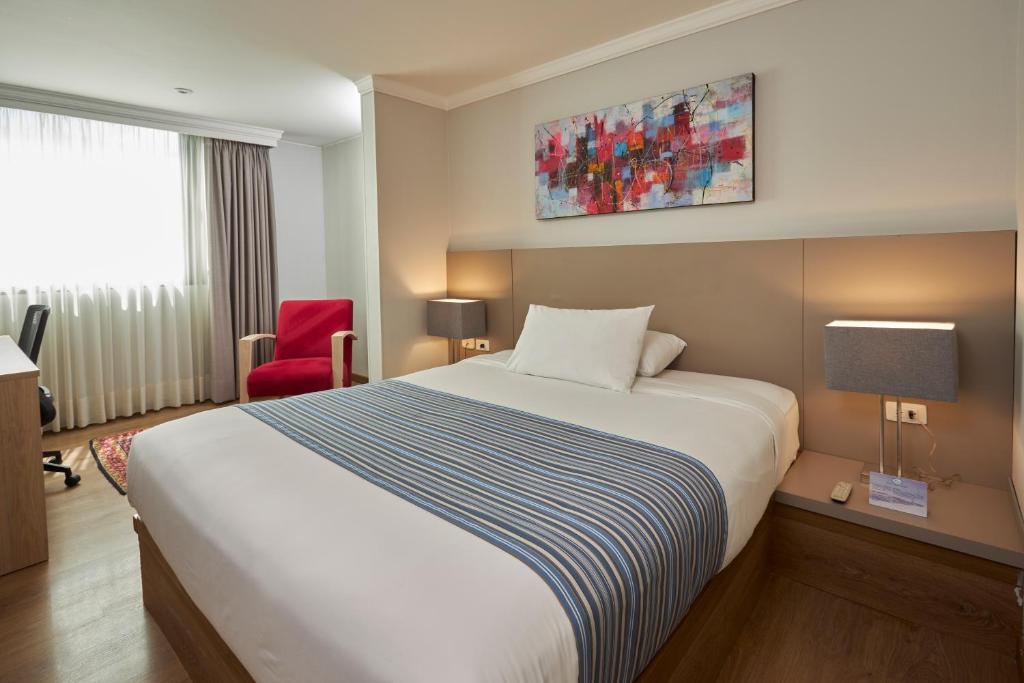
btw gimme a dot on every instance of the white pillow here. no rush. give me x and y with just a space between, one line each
660 349
596 347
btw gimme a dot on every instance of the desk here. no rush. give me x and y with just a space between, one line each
22 508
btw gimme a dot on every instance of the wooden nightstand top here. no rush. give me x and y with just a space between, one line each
971 519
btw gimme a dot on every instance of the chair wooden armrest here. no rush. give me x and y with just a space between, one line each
338 356
245 345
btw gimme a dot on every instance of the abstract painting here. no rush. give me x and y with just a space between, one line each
691 147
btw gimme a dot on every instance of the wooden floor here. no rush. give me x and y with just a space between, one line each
80 618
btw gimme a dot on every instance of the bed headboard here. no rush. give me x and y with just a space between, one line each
737 304
756 309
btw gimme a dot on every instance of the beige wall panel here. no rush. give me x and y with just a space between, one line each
965 278
412 230
486 275
758 309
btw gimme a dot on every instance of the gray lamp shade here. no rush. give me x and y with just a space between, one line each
912 360
456 318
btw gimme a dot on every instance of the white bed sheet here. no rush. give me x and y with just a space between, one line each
310 573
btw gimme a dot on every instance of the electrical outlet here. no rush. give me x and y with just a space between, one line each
483 344
469 343
913 413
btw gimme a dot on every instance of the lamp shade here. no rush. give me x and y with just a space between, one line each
912 360
456 318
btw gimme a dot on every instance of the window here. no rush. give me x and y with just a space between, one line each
88 203
102 222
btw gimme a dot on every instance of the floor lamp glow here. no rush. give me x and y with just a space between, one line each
456 319
901 359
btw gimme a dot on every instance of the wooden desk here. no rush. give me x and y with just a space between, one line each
22 508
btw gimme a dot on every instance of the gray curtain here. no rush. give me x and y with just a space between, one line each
243 268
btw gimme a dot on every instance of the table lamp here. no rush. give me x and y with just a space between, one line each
456 319
900 359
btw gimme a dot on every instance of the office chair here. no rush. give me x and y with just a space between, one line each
29 341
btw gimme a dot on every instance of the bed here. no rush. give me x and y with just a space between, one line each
305 570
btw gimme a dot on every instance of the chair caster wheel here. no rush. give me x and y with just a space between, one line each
72 480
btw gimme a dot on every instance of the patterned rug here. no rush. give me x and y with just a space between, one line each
111 454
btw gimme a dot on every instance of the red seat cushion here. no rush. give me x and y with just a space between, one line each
290 377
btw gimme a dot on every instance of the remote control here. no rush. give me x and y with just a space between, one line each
841 492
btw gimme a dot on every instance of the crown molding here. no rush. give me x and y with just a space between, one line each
345 139
701 20
388 86
716 15
18 97
364 84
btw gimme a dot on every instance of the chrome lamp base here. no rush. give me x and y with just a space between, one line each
881 441
865 474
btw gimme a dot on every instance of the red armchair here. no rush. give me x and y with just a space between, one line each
313 351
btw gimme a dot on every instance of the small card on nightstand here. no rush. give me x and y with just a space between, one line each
898 493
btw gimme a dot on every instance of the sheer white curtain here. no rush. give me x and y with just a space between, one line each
99 221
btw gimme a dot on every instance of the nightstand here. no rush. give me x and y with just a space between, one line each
954 571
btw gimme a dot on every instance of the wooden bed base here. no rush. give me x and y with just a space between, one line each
966 597
698 648
203 653
695 651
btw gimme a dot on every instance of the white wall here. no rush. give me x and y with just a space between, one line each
343 235
371 233
1017 471
299 211
871 117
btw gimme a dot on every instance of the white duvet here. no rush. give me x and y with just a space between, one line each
310 573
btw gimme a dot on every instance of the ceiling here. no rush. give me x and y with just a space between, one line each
290 64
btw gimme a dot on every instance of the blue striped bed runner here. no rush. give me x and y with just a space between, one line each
625 533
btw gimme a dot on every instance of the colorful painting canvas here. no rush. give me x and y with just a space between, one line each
687 148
